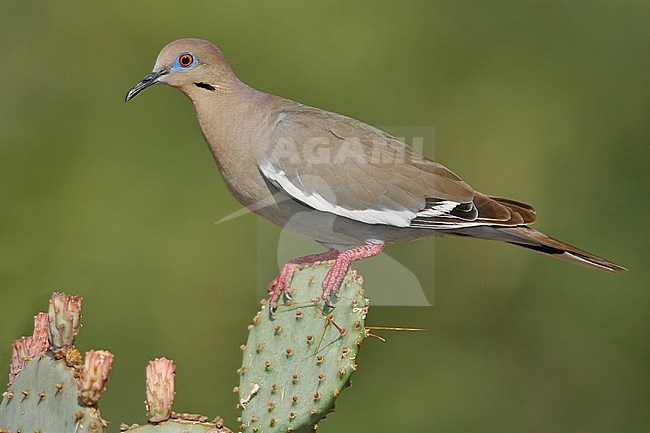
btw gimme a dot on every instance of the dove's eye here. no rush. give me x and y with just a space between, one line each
185 60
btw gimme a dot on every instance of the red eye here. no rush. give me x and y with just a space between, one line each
185 60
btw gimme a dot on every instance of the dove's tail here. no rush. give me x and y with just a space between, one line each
534 240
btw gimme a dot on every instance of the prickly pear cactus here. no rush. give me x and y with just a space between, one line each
299 359
160 394
296 363
50 389
44 398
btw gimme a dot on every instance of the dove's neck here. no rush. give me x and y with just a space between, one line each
225 111
232 119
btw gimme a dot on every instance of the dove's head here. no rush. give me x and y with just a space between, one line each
191 65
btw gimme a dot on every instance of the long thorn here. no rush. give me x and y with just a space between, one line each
392 328
330 319
382 339
320 339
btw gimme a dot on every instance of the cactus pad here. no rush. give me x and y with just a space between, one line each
299 359
44 398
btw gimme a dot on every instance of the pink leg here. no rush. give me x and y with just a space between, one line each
281 283
335 275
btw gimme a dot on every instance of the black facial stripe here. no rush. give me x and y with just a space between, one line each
205 86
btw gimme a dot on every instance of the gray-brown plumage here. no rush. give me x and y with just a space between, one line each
332 178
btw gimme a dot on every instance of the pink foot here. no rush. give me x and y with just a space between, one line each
280 284
335 275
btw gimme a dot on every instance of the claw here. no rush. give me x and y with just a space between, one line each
334 278
281 283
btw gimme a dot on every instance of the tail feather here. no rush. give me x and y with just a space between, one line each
534 240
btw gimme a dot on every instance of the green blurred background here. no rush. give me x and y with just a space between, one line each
547 102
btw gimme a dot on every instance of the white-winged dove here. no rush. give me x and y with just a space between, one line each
345 184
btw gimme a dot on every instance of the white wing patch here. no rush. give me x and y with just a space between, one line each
401 218
439 209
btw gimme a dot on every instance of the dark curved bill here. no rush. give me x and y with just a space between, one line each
147 81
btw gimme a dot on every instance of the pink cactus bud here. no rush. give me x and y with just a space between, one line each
40 342
64 317
19 357
94 376
160 389
26 348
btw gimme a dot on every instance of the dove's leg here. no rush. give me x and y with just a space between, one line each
281 283
335 275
